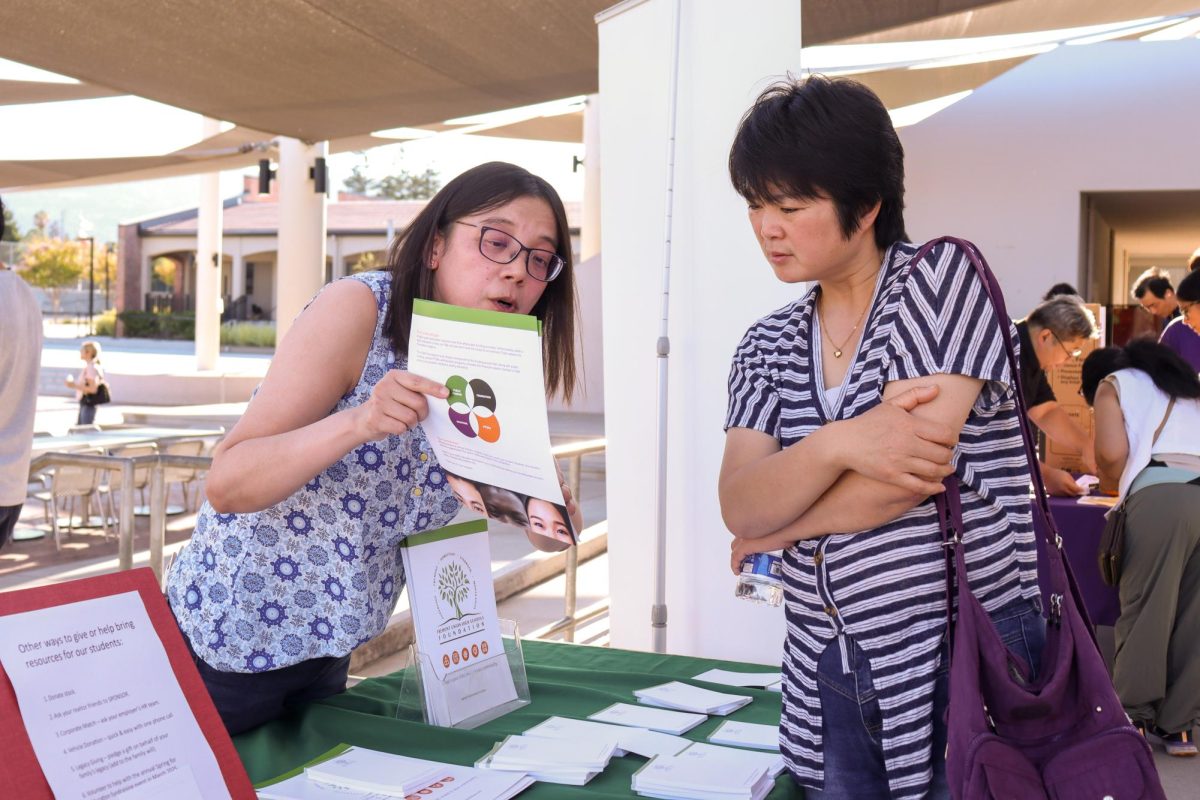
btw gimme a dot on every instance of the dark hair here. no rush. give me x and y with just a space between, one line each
479 189
1189 288
1060 289
1168 370
823 137
1194 261
3 224
1153 279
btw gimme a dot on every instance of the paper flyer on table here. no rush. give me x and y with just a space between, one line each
448 574
492 434
101 705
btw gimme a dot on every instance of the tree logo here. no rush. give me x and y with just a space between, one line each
453 586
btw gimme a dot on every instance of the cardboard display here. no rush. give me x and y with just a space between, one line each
1065 380
20 773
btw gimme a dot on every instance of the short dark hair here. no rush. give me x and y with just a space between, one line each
1154 280
478 189
823 137
1170 373
1060 289
1194 261
1189 288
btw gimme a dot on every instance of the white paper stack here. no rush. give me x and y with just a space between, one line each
766 680
747 734
707 772
373 771
685 697
454 783
655 719
645 743
551 760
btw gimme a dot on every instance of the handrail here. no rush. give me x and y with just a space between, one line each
573 452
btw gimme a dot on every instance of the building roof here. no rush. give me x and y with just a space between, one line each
364 217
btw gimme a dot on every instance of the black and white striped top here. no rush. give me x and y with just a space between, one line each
885 589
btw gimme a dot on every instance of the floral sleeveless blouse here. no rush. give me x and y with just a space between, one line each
319 573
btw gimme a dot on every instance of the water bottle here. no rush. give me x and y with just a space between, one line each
761 580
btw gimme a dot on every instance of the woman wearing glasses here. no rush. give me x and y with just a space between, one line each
1051 335
294 562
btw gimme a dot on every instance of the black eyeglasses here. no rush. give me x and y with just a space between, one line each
1076 353
502 248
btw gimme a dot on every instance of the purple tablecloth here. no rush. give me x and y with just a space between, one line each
1081 527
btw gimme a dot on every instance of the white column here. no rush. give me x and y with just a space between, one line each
208 263
589 233
237 284
339 264
300 269
720 284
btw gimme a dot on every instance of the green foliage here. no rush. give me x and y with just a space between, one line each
106 323
11 232
52 265
163 274
404 185
365 263
247 334
452 586
148 325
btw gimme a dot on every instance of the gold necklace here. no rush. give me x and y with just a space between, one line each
838 348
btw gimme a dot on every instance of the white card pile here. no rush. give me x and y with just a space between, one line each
373 771
707 772
746 734
685 697
766 680
454 782
551 760
643 742
655 719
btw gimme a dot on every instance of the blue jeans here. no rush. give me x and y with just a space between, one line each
852 731
87 414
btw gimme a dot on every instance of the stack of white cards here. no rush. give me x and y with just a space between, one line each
360 774
573 762
746 734
772 681
685 697
708 772
645 743
655 719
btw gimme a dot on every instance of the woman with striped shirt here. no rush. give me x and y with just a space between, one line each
846 409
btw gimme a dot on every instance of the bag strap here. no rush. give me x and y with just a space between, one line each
1158 431
949 503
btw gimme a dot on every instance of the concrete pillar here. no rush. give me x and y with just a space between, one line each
339 264
720 284
300 269
237 286
208 262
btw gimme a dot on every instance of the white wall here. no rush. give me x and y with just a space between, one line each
720 284
1005 167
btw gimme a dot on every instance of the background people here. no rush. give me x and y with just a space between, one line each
1153 291
294 562
1147 406
1182 334
847 408
1053 334
20 363
87 382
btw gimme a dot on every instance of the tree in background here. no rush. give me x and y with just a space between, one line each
404 185
53 265
11 233
366 262
163 272
44 227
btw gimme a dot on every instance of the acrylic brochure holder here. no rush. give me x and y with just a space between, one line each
427 697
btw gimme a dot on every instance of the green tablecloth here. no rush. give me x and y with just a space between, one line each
564 679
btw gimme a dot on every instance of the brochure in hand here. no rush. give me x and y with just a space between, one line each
464 671
492 434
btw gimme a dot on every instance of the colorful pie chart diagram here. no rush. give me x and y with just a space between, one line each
473 408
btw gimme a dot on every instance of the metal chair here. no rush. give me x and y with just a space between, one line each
71 483
184 476
141 475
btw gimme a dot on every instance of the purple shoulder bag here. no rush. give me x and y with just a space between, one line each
1063 734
